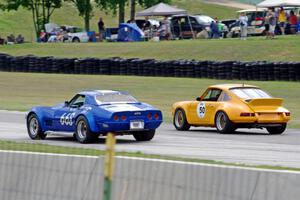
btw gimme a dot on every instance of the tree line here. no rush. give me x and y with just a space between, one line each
42 10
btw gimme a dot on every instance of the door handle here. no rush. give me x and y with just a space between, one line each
210 105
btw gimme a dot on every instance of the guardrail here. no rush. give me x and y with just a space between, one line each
256 70
27 176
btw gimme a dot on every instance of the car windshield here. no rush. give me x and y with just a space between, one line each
115 97
250 93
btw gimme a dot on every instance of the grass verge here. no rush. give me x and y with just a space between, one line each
44 148
21 91
283 48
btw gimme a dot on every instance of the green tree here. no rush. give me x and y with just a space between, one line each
85 9
41 10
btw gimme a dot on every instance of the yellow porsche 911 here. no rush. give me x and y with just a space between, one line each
231 106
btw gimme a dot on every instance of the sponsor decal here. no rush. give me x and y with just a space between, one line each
67 119
201 110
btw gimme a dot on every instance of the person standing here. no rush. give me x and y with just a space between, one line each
243 19
272 21
101 29
282 20
215 34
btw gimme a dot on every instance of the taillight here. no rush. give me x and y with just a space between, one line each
123 117
287 114
116 118
149 116
156 116
244 114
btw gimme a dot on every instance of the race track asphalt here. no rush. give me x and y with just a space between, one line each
253 147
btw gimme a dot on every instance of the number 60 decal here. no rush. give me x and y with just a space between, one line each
67 119
201 110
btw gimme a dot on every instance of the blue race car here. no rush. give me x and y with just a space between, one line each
92 113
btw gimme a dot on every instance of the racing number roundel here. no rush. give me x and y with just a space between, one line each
201 110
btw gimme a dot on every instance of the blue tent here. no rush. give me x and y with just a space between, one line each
129 33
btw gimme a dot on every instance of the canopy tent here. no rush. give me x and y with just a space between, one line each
279 3
161 9
129 33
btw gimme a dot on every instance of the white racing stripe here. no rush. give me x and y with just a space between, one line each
153 160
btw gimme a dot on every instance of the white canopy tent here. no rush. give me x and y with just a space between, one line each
161 9
279 3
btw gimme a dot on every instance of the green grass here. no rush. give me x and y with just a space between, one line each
20 21
21 91
285 48
44 148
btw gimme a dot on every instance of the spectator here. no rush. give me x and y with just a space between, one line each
272 21
267 26
165 29
101 28
215 34
147 24
243 19
2 41
11 39
282 20
20 39
293 22
42 37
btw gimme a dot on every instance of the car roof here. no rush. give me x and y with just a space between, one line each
230 86
98 92
252 10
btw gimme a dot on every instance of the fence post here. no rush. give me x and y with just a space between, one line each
109 165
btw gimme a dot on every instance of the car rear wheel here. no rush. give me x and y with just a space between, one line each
34 128
144 135
277 129
83 134
76 39
223 123
180 121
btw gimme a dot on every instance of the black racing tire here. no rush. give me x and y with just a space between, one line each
144 135
223 123
277 130
179 120
76 39
83 133
34 128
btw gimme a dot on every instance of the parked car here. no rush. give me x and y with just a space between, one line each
92 113
71 33
231 106
182 25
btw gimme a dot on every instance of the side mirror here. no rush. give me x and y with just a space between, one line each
66 103
198 99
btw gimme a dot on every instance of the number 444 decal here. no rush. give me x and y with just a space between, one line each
67 119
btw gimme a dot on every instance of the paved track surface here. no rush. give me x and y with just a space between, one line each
244 146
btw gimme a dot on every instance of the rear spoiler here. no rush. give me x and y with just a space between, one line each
265 102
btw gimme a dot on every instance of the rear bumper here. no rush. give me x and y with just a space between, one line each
105 127
263 119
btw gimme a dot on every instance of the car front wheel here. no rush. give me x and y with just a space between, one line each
277 129
144 135
223 123
180 121
34 128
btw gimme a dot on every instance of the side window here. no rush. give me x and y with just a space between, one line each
224 97
212 95
193 21
77 101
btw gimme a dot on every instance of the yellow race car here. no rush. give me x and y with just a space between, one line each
231 106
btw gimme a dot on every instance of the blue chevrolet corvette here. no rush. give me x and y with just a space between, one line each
96 112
